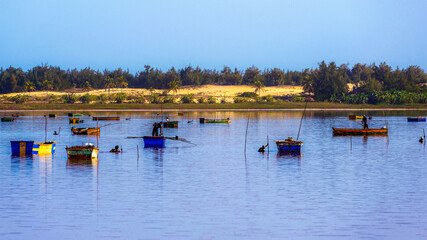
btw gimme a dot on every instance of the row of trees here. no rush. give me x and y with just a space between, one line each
324 81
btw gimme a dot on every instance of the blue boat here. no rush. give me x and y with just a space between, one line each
22 147
416 119
289 146
154 141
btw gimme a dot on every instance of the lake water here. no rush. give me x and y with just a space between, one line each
338 188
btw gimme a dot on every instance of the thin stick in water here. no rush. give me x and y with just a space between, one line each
246 135
301 119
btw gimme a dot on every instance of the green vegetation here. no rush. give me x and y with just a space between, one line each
188 98
248 95
374 84
251 105
19 99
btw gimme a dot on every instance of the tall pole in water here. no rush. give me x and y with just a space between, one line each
246 135
301 119
45 128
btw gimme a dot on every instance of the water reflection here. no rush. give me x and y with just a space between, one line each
83 162
208 190
21 162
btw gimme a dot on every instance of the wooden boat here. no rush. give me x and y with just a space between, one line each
154 141
44 148
75 120
106 118
51 115
86 131
205 120
180 114
416 119
22 147
170 124
355 117
289 145
358 131
7 119
82 152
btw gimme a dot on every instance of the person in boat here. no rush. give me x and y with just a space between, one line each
262 148
421 139
155 130
55 133
365 122
115 149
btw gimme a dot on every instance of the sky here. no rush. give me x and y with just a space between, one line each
285 34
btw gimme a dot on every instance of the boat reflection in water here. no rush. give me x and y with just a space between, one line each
82 162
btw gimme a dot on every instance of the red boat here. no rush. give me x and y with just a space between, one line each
358 131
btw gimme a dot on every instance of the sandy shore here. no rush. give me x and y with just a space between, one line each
218 110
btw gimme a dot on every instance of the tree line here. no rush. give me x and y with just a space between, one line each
326 81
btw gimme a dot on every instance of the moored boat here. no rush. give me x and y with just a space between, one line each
86 131
289 145
75 114
355 117
170 124
75 120
106 118
205 120
51 115
7 119
154 141
358 131
82 152
44 148
22 147
416 119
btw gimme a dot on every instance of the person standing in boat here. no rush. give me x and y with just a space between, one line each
155 129
365 122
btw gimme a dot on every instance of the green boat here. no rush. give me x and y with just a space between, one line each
170 124
75 114
7 119
82 152
204 120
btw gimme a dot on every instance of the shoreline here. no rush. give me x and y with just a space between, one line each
213 110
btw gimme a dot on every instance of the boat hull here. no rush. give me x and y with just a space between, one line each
44 148
86 131
154 142
289 146
75 120
205 120
7 119
75 114
364 132
170 124
354 117
82 152
106 118
416 119
22 147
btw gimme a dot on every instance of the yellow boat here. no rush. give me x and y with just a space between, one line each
354 117
44 148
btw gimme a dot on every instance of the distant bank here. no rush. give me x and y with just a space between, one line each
206 97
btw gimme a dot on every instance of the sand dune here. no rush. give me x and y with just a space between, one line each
218 91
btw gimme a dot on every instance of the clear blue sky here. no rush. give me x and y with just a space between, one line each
287 34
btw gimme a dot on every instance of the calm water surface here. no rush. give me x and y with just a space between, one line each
338 188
